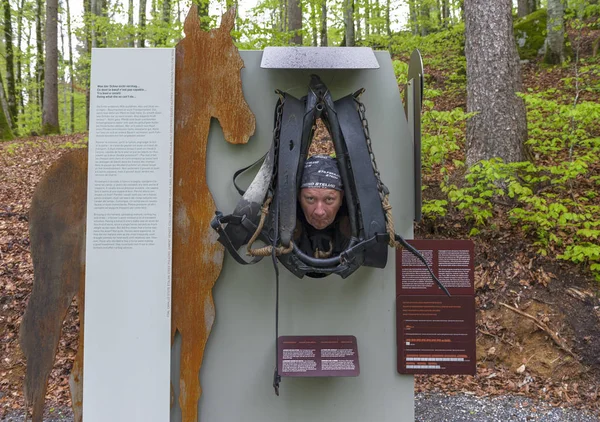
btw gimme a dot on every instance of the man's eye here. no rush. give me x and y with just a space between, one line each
309 198
329 200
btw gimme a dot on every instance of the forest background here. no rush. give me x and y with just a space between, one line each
531 206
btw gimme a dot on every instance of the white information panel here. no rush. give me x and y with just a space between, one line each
128 245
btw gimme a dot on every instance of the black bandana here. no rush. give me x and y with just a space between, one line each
321 171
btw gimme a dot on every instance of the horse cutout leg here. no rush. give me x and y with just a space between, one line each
57 232
207 84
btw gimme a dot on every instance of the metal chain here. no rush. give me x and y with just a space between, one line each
383 192
365 124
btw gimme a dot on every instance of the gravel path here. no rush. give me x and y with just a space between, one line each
442 408
463 407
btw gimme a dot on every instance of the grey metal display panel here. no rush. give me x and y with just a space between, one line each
237 372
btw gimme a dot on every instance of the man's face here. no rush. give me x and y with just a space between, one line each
320 206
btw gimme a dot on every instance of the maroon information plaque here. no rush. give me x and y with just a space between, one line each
318 356
436 333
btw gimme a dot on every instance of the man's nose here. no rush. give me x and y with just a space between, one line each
320 210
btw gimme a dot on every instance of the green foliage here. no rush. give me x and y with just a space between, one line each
442 134
434 208
401 72
79 143
530 34
442 50
555 200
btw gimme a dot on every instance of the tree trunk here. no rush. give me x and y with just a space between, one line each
282 16
349 22
413 17
131 42
377 9
367 18
142 24
5 132
425 18
324 23
533 5
96 12
555 33
388 24
10 65
499 129
358 27
50 108
19 39
39 42
166 23
523 8
313 22
87 9
445 13
71 72
30 84
294 18
64 65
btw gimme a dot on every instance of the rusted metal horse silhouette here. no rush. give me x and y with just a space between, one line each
207 84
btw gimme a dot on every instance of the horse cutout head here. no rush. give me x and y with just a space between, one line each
214 58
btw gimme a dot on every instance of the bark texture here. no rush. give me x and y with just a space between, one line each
324 24
71 70
5 131
555 33
50 103
131 42
349 23
294 17
523 8
499 129
142 24
39 43
10 63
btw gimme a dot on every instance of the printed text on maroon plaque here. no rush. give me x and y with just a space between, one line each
318 356
436 333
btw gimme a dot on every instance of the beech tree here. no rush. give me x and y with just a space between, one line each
50 103
71 69
294 17
324 23
142 24
349 23
555 33
525 7
499 129
131 43
10 64
39 42
5 131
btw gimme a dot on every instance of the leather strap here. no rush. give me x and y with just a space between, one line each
217 224
365 182
242 170
287 169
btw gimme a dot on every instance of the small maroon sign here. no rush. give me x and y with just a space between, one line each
436 333
318 356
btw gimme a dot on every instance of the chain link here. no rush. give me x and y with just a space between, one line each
365 124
